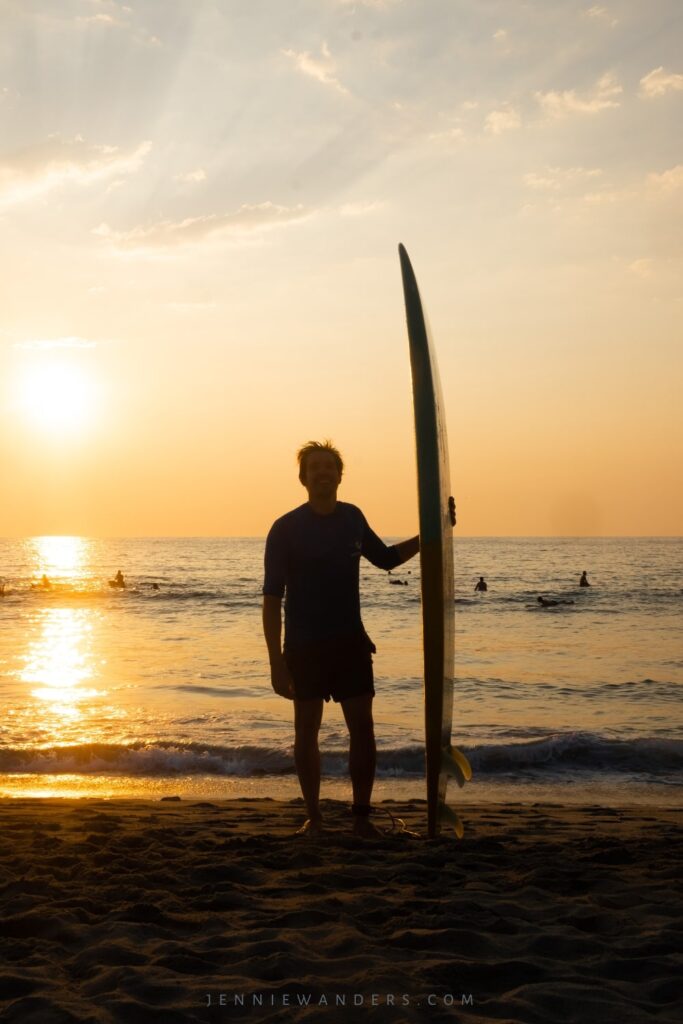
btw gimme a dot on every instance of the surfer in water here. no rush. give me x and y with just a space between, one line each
313 556
482 586
546 603
583 582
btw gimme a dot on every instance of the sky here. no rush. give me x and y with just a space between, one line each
200 208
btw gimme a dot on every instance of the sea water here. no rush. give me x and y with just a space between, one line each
163 687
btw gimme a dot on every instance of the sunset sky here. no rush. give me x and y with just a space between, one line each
200 207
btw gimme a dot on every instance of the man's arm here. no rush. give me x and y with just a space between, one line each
407 549
280 677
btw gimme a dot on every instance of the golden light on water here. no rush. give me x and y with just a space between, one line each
59 660
59 655
60 557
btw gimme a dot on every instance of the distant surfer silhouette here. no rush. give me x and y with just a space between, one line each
118 581
482 586
583 582
43 584
546 603
313 555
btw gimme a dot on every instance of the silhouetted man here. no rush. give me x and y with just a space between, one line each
583 582
481 586
313 556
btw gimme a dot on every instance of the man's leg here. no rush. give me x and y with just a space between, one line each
307 717
362 755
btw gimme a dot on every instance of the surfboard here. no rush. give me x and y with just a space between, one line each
437 515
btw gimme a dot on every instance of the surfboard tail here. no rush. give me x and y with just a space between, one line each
455 764
450 818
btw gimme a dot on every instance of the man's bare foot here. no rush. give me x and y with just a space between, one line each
311 828
364 828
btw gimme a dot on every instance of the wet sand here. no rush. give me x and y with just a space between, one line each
174 911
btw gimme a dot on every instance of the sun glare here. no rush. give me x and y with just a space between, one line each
58 397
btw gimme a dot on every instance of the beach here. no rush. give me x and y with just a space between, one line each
177 910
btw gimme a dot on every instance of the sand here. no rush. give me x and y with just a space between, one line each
170 911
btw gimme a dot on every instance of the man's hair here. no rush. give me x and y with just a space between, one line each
317 446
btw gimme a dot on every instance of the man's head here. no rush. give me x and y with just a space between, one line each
319 456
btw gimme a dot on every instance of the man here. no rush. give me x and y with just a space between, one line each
481 586
313 554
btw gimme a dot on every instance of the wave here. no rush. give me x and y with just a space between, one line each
544 758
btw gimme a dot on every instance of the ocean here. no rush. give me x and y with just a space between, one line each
163 688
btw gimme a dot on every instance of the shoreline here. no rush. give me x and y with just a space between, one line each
130 910
572 792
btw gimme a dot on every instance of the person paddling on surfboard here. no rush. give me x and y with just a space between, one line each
313 556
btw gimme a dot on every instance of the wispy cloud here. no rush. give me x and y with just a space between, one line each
121 18
322 68
192 177
601 14
603 97
555 179
659 81
501 38
247 220
642 268
360 208
43 344
33 172
378 4
667 181
609 197
505 120
106 20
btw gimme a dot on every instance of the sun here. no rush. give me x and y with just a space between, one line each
57 397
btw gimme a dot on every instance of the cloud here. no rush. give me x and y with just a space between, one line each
658 82
378 4
502 40
667 181
37 170
43 344
247 220
113 21
101 19
553 179
360 209
320 69
448 135
609 197
603 97
499 121
601 14
642 268
192 177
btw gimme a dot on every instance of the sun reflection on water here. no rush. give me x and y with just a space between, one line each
61 557
59 659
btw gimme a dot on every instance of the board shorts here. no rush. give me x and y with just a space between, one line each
340 667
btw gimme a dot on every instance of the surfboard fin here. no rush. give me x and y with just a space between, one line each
449 817
454 763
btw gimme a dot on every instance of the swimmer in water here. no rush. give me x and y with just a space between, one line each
482 586
583 582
